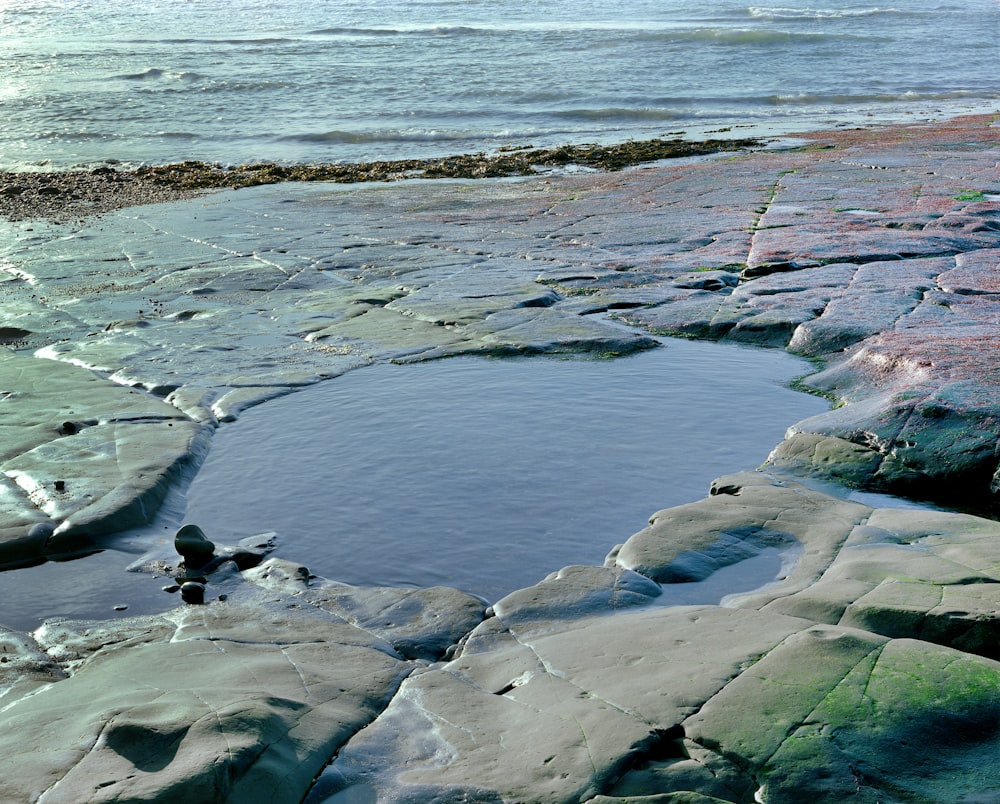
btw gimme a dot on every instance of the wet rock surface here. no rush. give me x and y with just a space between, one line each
867 671
66 195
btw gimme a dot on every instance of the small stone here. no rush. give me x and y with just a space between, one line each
120 607
193 592
191 543
69 428
60 485
41 530
172 588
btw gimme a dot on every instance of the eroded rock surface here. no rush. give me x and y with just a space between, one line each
206 704
828 690
860 248
867 671
881 259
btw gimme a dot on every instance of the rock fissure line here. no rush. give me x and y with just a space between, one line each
556 674
697 218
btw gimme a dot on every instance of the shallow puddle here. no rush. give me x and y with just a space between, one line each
475 473
488 474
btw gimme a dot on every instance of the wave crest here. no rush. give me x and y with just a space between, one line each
428 30
909 96
784 13
156 73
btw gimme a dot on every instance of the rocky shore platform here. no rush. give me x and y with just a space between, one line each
869 671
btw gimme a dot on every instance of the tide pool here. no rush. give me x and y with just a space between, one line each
488 474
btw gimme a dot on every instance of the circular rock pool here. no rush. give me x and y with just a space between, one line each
488 474
477 473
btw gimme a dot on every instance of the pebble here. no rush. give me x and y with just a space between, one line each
193 592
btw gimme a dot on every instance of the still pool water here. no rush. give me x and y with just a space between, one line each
475 473
488 474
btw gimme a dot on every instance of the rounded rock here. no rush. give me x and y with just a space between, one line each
192 544
193 592
41 531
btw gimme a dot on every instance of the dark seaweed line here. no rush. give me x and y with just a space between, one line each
72 194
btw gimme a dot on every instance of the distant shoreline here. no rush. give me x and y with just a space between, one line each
61 196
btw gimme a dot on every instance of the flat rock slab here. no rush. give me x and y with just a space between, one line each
81 457
867 671
209 705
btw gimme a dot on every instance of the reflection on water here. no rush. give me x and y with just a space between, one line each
480 474
488 474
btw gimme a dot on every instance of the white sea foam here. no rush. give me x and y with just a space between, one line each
782 12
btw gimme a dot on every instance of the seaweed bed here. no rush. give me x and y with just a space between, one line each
63 195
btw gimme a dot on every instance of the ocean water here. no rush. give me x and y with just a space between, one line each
87 81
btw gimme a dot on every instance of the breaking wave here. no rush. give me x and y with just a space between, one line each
156 73
811 99
783 13
416 30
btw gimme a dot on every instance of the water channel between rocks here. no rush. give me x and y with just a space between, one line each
477 473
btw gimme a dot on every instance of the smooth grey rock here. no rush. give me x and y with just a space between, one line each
707 280
557 717
575 592
109 474
280 575
216 703
691 541
474 293
815 455
920 574
419 623
528 330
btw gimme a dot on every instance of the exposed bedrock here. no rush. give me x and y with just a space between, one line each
881 261
876 252
81 457
867 671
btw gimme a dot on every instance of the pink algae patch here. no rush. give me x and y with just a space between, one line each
934 356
